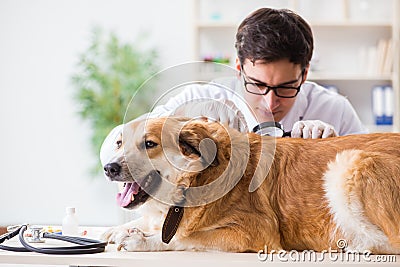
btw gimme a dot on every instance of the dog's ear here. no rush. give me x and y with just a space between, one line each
195 142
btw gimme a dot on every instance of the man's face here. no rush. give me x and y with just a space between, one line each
271 107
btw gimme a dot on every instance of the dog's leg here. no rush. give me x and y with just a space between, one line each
363 189
138 240
221 240
233 240
118 233
380 185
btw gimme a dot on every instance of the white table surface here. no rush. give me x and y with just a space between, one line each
112 257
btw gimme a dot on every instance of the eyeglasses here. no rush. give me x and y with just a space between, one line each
280 90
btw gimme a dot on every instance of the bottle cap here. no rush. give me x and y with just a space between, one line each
70 210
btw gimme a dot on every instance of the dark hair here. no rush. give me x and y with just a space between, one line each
273 34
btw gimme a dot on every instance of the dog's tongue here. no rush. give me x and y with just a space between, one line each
125 197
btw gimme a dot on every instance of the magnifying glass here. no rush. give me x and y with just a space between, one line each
271 128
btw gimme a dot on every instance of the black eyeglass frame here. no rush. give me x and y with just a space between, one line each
274 88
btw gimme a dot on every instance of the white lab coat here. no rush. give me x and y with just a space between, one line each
312 103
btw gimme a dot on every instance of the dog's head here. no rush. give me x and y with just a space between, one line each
164 157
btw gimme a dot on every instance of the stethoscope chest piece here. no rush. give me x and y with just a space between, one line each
36 238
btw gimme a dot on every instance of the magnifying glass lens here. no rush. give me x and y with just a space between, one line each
269 128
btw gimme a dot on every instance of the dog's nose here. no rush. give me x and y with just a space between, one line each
112 169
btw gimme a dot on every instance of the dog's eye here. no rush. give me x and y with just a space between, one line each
150 144
119 144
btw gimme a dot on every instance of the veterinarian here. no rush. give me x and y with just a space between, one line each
274 49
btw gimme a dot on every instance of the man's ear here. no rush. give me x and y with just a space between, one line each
195 142
306 73
238 65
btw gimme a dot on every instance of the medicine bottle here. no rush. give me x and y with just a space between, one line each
70 225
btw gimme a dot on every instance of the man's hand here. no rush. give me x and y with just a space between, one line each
223 111
313 129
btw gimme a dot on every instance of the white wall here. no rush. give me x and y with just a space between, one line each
45 153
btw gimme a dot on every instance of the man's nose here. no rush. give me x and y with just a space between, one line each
112 169
271 99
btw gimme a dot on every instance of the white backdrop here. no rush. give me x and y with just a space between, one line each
45 153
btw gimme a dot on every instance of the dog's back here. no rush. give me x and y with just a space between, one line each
327 189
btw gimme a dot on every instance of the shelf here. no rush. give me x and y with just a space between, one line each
352 24
217 25
380 128
316 24
347 77
313 77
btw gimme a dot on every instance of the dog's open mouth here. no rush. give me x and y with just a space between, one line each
134 194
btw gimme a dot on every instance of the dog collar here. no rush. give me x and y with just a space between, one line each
171 223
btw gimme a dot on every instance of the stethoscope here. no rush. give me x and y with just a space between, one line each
271 128
85 245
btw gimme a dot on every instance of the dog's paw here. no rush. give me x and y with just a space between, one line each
115 235
135 241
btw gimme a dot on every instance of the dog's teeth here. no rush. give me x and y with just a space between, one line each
133 197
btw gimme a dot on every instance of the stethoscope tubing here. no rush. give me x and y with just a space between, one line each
86 245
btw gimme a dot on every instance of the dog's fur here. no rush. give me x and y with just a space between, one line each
314 193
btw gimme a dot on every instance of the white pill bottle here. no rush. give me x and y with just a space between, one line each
70 224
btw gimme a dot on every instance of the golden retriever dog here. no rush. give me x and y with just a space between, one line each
244 192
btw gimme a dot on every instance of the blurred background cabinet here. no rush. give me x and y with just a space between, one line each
356 45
